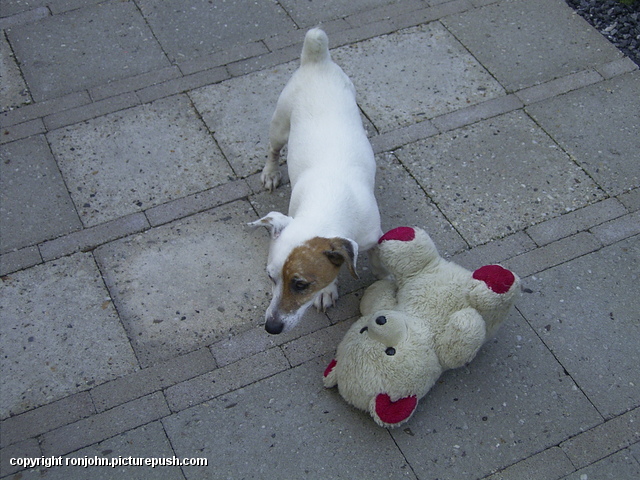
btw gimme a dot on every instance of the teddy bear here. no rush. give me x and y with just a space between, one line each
429 315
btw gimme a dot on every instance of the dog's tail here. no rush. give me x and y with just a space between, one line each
316 47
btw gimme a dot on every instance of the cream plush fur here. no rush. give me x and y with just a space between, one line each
430 316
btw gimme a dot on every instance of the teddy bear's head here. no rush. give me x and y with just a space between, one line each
384 364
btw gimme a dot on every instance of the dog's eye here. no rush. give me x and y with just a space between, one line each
390 351
299 286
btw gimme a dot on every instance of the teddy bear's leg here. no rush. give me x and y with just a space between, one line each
329 378
381 295
392 414
493 294
463 336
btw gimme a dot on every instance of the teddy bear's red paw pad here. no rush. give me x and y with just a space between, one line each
330 367
497 278
403 234
395 412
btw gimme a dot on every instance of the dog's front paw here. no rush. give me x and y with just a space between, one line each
326 297
270 178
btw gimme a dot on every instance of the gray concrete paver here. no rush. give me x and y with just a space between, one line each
27 166
498 176
527 43
213 253
586 311
599 127
142 322
136 159
309 431
84 48
431 74
55 345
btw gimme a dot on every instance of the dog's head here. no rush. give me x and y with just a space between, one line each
299 270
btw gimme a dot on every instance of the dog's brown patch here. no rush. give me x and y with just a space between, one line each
311 267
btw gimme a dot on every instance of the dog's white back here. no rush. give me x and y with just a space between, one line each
333 213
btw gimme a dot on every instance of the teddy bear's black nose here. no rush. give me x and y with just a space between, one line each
381 320
390 351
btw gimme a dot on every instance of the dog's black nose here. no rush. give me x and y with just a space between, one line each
274 328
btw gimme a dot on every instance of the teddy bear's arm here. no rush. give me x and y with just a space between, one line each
462 337
381 295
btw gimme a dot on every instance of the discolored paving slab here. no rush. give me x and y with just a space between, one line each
191 28
27 166
309 432
598 126
58 344
512 401
414 74
528 43
189 283
498 176
138 158
238 112
85 47
586 311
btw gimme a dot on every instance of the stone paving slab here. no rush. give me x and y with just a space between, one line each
136 159
85 47
238 112
607 137
214 255
584 311
13 90
307 432
27 166
191 28
413 75
498 176
526 43
58 344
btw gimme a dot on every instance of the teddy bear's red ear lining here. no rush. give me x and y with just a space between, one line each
404 234
330 367
395 412
497 278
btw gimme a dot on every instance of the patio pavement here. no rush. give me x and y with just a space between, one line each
133 294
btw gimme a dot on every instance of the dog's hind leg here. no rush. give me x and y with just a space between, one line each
278 138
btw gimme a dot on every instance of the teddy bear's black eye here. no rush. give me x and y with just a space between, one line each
381 320
364 329
390 351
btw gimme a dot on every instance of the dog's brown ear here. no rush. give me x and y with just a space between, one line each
343 250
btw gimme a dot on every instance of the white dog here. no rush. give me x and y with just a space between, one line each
333 212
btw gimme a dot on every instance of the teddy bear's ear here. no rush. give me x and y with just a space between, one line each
329 377
392 414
